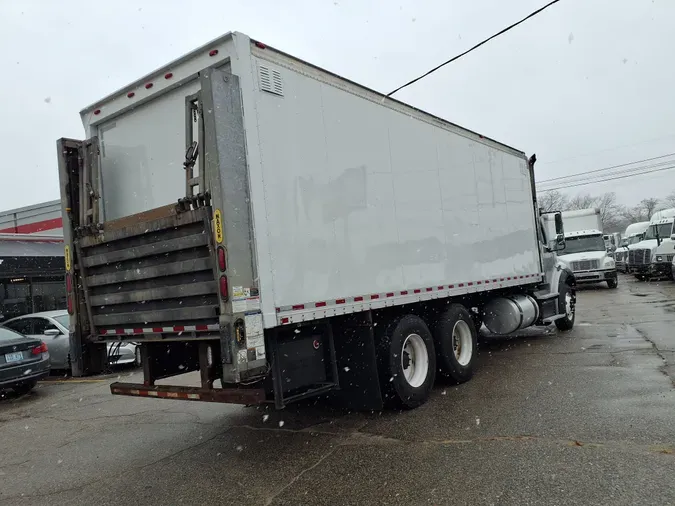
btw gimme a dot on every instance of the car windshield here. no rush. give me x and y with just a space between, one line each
584 243
8 335
63 320
663 231
635 239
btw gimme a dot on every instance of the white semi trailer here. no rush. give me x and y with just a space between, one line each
289 233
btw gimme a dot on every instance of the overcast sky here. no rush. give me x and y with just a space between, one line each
585 85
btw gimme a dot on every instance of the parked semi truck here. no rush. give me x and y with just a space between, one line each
634 233
289 233
652 257
585 249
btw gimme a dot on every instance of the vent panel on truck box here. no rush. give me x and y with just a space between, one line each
149 274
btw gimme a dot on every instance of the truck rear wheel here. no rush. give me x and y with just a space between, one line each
455 336
407 362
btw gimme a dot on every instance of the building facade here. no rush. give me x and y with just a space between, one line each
31 260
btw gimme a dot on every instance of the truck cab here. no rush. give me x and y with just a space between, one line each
635 232
586 255
652 257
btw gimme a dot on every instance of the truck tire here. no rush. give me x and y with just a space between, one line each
567 302
455 337
612 283
407 362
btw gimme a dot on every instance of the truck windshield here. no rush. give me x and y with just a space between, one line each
584 243
663 231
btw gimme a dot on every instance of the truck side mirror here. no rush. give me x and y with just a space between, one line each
672 237
559 224
560 242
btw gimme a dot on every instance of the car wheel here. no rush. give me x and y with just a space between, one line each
407 362
612 283
24 388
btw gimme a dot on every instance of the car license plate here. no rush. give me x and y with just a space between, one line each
13 357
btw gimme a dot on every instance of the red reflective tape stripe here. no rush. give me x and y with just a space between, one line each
32 228
138 331
358 299
284 320
417 290
178 328
440 288
479 282
390 294
521 277
340 301
298 306
429 289
157 329
202 327
502 279
119 331
375 296
451 286
487 281
508 279
320 304
460 285
495 280
404 292
103 331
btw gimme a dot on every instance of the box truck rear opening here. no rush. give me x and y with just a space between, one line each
288 233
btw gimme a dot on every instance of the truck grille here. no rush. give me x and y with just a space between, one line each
639 256
669 258
585 265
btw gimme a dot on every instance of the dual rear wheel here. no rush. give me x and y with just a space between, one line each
410 354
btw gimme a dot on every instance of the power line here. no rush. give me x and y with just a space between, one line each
608 179
604 169
474 47
601 177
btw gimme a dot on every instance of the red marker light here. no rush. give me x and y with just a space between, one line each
168 75
39 349
213 52
221 258
148 86
131 94
97 112
223 288
260 45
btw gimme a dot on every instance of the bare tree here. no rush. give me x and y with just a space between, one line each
582 201
649 205
552 201
669 201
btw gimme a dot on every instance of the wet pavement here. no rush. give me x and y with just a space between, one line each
586 417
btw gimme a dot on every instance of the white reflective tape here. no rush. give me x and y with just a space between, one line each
172 394
152 393
193 396
135 392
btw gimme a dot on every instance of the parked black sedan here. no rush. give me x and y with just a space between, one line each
23 361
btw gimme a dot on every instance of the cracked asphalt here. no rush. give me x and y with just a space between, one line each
586 417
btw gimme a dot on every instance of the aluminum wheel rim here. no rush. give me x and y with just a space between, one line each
569 309
415 360
462 342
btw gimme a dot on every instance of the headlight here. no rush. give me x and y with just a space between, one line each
609 263
659 258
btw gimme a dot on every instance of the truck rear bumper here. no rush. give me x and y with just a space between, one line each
225 395
594 276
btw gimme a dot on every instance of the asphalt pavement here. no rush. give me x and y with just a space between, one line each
585 417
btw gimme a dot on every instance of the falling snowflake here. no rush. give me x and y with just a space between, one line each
444 392
281 423
477 422
60 461
240 448
346 369
265 417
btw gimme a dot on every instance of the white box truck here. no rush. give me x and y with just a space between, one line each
634 233
652 257
585 249
289 233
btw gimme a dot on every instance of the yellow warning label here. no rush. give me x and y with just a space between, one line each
67 255
218 225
